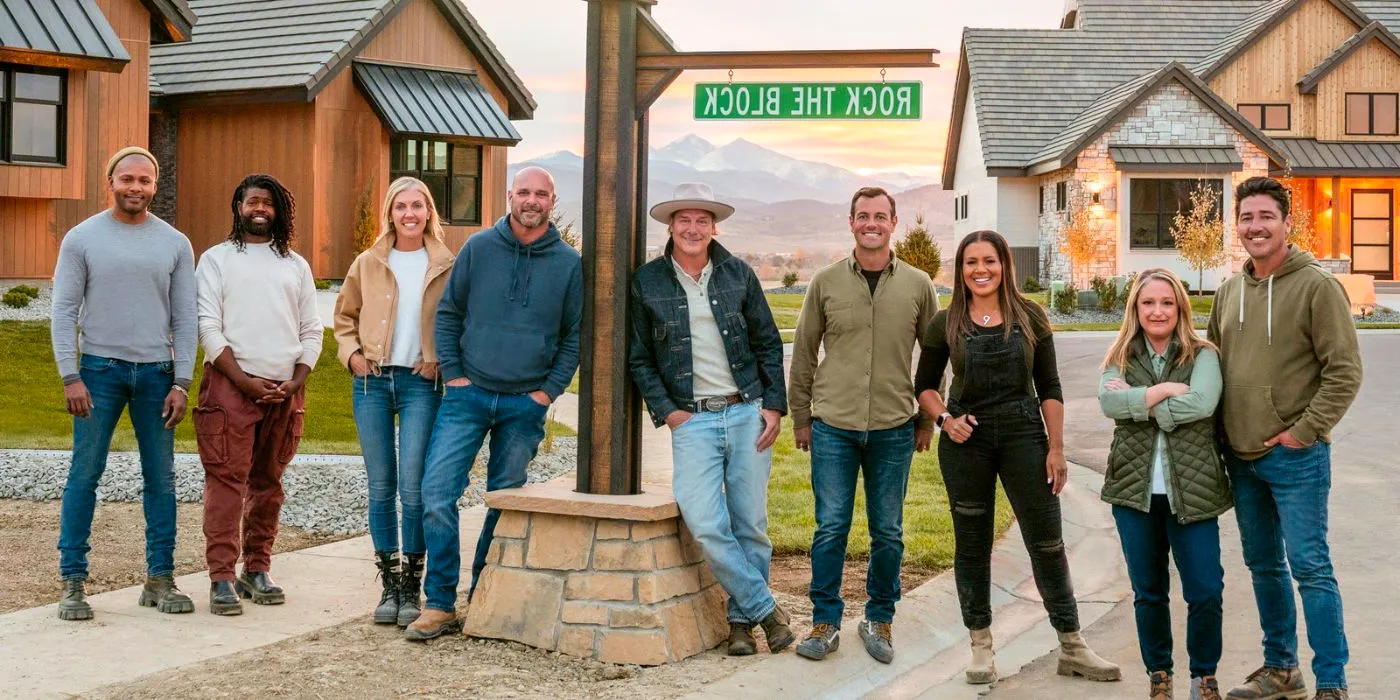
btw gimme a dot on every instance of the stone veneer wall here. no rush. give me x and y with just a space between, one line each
1172 116
164 126
613 590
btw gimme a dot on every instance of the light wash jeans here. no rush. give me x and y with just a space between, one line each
721 485
395 478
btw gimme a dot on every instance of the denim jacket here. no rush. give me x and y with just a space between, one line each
660 355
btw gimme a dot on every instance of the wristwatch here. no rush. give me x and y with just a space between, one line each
942 417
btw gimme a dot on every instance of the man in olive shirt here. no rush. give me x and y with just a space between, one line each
855 411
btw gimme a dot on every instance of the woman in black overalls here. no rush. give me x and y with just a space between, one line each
1004 394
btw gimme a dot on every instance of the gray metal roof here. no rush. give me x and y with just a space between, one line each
73 29
1176 158
1374 30
297 46
1036 89
1311 157
430 102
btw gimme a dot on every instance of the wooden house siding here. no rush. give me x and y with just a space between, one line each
1372 68
1269 71
48 182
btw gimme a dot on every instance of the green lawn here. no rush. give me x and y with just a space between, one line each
928 526
786 308
44 423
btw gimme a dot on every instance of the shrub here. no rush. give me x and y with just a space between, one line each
323 284
790 279
1031 285
15 299
1107 292
918 248
1067 299
31 292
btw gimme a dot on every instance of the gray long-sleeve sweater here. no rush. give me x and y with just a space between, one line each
124 292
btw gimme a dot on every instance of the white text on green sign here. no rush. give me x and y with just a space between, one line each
894 100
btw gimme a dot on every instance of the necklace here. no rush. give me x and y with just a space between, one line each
987 320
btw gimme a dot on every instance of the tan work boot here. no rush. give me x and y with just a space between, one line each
1331 694
1077 659
432 624
741 641
1269 683
1205 688
983 668
1161 686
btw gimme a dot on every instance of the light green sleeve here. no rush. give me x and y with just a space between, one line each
1200 401
1124 404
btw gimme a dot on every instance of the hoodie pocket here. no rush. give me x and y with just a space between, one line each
1249 416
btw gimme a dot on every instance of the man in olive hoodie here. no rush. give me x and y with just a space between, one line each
1291 366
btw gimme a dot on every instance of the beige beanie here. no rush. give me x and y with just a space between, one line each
131 151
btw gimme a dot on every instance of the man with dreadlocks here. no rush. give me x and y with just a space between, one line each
261 334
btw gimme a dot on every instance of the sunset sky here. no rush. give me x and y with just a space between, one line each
545 45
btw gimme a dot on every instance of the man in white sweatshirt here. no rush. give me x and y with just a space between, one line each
261 334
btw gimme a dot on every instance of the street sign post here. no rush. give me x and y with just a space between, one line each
824 101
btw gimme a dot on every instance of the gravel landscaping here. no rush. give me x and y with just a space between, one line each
326 495
38 309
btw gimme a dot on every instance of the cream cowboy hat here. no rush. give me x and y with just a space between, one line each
692 195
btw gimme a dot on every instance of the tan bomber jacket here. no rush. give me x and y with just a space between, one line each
364 309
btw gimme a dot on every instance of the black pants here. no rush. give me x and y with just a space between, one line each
1009 441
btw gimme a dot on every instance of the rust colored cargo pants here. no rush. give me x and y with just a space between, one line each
244 446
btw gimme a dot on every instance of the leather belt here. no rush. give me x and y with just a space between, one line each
715 403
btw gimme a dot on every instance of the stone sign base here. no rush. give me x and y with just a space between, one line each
613 578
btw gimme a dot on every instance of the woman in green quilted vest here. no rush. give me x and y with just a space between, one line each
1161 384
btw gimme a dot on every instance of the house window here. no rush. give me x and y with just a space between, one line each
1372 113
1155 203
33 115
962 208
1061 196
1042 200
452 172
1268 117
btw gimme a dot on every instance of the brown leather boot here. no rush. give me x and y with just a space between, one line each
983 668
1161 688
776 631
1077 659
741 641
432 624
1269 683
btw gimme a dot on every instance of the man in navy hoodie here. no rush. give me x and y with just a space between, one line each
508 342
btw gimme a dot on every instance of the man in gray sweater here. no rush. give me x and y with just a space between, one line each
124 293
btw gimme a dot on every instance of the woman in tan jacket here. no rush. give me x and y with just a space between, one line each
384 324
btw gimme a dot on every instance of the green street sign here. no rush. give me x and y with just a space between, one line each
832 101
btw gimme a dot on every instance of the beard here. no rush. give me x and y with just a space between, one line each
255 228
531 218
129 207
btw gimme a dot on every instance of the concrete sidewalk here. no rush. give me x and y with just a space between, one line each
930 640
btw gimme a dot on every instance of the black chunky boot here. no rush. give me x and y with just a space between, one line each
387 613
410 589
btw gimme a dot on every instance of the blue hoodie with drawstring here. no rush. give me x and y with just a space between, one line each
509 318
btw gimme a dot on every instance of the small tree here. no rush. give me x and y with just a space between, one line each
919 250
1081 241
1200 233
790 279
366 228
566 228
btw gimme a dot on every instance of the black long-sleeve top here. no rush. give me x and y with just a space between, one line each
1041 381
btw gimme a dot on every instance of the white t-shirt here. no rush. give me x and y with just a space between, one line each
410 269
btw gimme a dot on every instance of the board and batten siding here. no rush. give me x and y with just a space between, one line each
1371 68
1268 72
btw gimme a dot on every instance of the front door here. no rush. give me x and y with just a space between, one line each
1373 233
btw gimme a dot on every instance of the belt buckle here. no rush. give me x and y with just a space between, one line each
715 403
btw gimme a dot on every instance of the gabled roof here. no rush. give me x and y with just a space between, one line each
1375 30
290 49
1116 103
1260 24
60 33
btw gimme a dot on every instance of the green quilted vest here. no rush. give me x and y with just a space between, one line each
1196 481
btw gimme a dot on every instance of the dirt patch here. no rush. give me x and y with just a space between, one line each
29 549
792 574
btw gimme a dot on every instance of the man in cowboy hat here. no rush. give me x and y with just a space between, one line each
708 359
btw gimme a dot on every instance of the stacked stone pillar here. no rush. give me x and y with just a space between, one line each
617 579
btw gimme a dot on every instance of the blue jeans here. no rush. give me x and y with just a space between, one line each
116 385
721 485
838 456
1281 503
376 399
515 423
1148 540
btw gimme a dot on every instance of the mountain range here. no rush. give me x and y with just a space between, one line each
782 203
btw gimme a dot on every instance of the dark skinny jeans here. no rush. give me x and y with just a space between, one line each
1009 441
